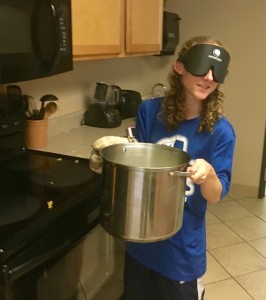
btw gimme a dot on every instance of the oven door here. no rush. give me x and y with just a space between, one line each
48 239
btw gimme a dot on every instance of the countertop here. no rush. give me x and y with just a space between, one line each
77 142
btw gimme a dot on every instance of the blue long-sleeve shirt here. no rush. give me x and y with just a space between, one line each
183 256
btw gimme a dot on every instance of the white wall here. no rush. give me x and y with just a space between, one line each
239 25
74 88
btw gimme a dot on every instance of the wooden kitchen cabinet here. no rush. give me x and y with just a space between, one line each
144 22
116 28
96 27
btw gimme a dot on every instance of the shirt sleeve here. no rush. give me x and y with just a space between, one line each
222 158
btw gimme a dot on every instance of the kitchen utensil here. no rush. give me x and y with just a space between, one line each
33 112
143 194
50 109
13 90
130 102
46 98
16 90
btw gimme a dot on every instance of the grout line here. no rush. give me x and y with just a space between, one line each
243 240
242 287
255 248
221 266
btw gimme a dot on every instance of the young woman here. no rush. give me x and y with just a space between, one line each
191 118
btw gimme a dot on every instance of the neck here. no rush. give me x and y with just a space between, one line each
192 108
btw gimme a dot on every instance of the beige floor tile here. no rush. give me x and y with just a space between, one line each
225 290
215 272
254 284
226 198
263 217
229 210
219 235
259 245
239 259
255 205
112 292
249 228
211 218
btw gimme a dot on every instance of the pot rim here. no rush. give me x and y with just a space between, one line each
124 146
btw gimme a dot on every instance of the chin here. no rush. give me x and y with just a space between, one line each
201 96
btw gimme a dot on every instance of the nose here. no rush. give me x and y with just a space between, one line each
208 75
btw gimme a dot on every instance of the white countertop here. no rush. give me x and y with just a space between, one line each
77 142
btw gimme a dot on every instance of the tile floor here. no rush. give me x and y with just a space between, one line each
236 254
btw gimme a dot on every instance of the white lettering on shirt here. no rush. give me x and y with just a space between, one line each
171 141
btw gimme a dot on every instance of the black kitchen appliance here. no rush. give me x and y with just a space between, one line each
104 111
170 33
130 103
48 202
36 39
98 116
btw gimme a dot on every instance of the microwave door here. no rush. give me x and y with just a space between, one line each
37 39
45 34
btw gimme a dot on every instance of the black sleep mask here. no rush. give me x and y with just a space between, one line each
199 59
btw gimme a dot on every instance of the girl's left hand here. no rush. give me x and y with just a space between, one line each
200 170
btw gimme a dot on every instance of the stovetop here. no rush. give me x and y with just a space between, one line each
48 201
35 189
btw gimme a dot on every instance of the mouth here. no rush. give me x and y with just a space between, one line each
203 86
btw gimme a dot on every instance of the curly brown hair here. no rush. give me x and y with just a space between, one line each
173 107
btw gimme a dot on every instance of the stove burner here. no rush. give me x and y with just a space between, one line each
63 174
17 207
22 163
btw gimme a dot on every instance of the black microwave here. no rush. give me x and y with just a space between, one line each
35 39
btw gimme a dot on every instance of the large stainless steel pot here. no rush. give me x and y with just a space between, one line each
142 201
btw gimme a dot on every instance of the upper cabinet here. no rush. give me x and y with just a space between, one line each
96 27
116 28
144 22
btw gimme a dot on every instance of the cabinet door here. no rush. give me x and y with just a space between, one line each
144 19
97 27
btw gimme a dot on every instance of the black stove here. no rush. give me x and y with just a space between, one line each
48 201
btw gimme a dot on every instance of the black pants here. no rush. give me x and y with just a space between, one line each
141 283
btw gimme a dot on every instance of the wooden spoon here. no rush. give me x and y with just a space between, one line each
45 98
50 108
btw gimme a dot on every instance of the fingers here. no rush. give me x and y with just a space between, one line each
200 170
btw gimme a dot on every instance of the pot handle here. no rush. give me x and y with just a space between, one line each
180 173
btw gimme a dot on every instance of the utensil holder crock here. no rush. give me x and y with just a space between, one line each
36 133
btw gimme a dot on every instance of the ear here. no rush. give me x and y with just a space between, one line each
178 66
